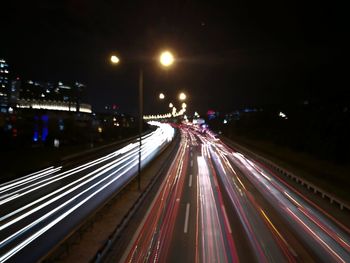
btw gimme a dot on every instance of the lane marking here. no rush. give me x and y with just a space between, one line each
187 217
190 181
191 163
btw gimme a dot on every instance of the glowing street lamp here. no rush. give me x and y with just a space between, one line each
171 105
166 58
115 59
182 96
183 105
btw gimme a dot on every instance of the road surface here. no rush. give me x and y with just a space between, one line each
218 205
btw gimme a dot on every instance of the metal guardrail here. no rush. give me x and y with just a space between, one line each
310 186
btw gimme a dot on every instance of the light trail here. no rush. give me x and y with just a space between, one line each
19 180
58 177
47 211
26 180
99 172
264 241
47 215
213 231
328 237
151 241
244 182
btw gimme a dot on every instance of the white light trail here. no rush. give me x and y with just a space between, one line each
100 178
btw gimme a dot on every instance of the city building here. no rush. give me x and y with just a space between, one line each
50 96
31 94
4 85
14 92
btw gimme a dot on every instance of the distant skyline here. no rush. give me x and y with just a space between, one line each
229 55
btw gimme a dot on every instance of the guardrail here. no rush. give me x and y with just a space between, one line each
310 186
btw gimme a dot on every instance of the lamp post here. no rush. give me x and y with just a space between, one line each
140 127
166 59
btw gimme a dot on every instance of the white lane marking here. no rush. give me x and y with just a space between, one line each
187 217
190 181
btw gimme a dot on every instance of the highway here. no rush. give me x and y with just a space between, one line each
39 210
218 205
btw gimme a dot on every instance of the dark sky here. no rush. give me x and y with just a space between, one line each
230 54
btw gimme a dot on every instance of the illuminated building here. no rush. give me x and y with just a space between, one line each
14 90
37 90
4 84
53 105
52 96
32 94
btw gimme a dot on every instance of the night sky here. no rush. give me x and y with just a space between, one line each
230 54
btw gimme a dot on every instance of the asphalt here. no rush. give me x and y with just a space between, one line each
218 205
182 248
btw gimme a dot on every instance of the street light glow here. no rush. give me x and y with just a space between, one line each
183 105
166 58
171 105
182 96
114 59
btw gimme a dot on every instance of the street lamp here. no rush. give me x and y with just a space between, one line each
171 105
115 59
161 96
182 96
166 59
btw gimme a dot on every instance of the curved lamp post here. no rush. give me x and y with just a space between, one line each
166 59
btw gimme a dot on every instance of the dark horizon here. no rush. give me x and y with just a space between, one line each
229 56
